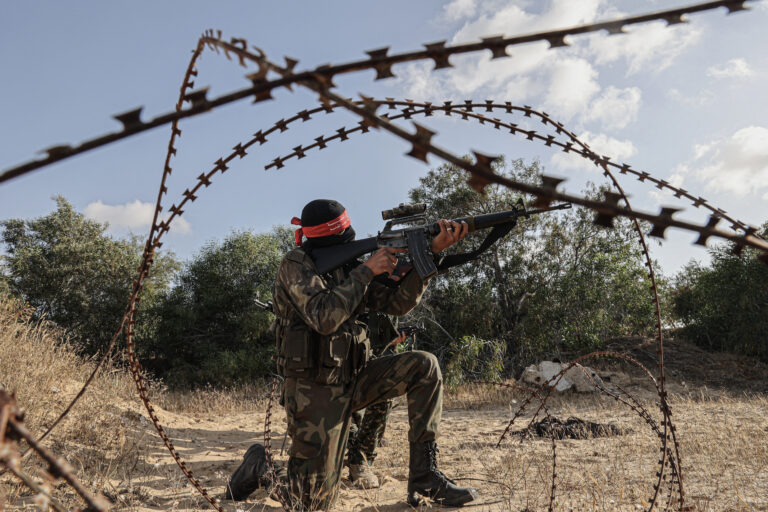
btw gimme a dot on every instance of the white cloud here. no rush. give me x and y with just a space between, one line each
565 81
562 81
486 18
603 145
651 46
737 164
573 84
615 108
130 216
512 19
734 68
703 97
459 9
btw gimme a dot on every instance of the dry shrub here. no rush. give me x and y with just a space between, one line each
38 361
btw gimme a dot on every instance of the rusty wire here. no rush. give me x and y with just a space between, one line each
482 174
466 111
12 430
532 393
320 81
342 134
378 60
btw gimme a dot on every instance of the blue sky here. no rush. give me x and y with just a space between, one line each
686 104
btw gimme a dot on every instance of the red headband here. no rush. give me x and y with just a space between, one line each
332 227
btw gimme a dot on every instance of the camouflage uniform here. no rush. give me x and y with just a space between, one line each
368 426
323 352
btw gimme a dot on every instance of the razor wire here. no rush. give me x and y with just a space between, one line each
378 60
407 112
12 430
320 81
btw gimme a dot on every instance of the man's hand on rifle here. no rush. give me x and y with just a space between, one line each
383 261
451 232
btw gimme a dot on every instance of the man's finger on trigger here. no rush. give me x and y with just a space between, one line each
462 228
455 231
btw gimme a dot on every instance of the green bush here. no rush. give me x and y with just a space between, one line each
474 358
74 274
724 306
210 331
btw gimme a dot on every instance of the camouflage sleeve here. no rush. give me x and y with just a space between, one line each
323 308
397 301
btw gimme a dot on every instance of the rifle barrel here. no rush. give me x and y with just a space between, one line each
488 220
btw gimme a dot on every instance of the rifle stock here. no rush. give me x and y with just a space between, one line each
330 258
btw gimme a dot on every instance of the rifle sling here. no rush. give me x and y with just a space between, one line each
496 233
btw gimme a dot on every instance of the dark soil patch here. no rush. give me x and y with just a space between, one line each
573 428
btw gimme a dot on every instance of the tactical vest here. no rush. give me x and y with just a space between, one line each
333 359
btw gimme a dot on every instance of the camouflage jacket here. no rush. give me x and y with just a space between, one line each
319 336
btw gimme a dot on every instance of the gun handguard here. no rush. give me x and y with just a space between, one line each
265 306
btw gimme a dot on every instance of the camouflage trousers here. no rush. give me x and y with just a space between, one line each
319 417
366 432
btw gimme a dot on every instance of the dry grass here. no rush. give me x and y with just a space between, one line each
723 443
39 363
215 401
723 440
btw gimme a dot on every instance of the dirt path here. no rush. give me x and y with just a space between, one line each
213 447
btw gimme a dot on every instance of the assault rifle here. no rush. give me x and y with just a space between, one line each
408 228
264 306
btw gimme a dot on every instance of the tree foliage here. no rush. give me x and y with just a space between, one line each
210 331
556 285
724 306
76 275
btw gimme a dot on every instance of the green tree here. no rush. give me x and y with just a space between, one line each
73 273
557 284
5 282
211 332
724 306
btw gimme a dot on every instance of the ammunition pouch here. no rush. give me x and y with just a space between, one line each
329 360
295 351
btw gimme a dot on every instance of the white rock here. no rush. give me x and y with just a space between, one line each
582 381
538 374
575 377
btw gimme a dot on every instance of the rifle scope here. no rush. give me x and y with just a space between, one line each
404 210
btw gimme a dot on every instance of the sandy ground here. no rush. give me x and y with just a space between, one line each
719 404
723 448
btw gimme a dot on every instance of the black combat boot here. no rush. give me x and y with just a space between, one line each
250 475
424 478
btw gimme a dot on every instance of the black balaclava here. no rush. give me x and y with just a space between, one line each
318 212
